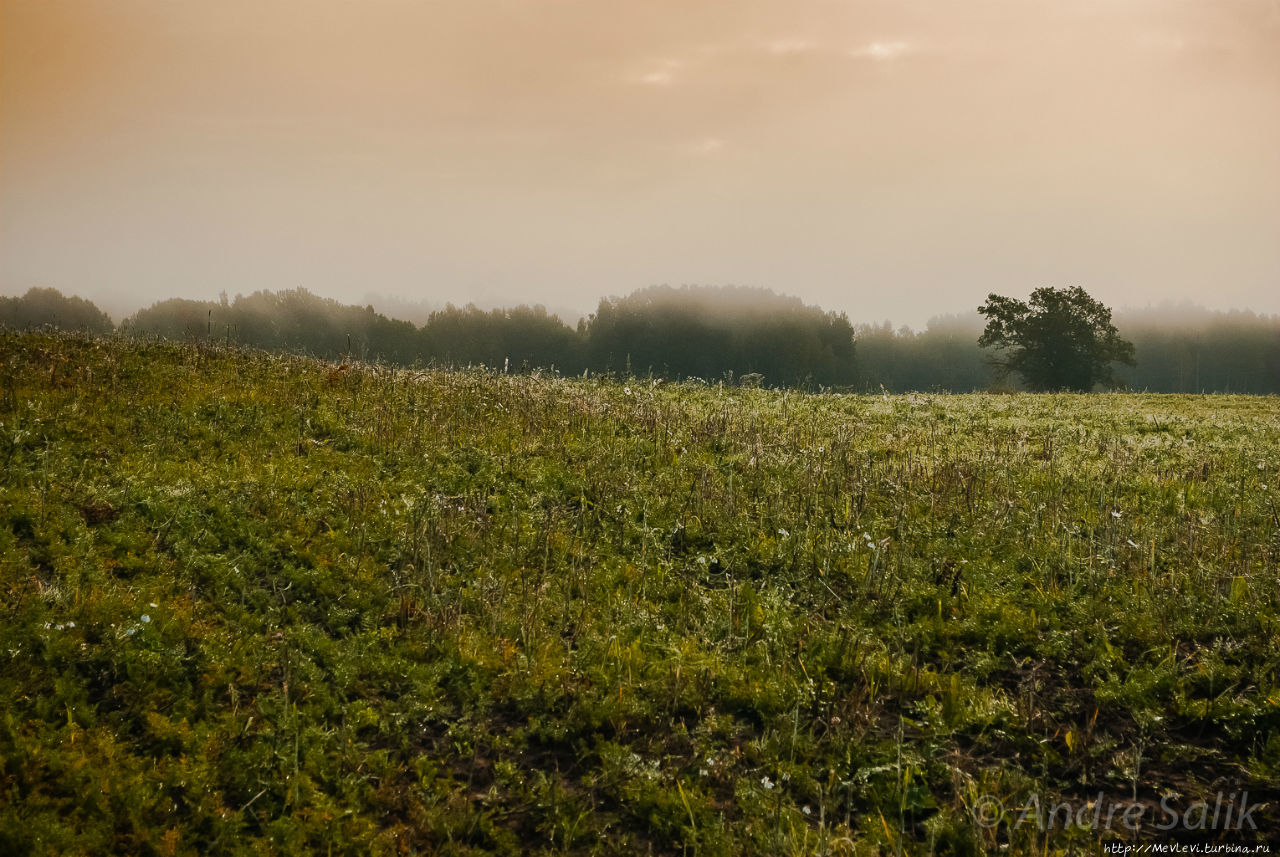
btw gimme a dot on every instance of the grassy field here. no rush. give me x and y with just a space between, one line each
256 604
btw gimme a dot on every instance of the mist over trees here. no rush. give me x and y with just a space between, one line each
710 332
520 338
41 306
686 332
1186 349
944 356
289 320
705 332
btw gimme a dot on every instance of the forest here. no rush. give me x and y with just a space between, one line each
715 334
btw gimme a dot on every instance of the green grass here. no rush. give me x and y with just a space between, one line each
376 611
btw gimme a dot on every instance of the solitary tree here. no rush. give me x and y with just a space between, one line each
1061 340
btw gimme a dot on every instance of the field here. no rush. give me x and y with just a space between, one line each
259 604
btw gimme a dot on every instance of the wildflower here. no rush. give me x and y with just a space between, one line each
1116 514
783 532
807 811
145 618
766 782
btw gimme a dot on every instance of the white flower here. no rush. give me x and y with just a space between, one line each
783 532
145 618
1116 514
807 811
766 782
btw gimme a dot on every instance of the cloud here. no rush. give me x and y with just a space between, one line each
707 146
881 51
661 72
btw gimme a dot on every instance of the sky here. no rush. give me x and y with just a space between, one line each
891 159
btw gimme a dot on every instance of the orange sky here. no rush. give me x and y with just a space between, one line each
890 158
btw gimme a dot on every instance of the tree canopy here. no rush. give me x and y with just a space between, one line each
711 332
40 306
1062 339
757 335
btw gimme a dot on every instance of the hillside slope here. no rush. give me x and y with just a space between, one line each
260 604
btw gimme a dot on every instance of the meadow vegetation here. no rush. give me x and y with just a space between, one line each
262 604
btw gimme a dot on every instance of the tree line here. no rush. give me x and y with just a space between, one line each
741 335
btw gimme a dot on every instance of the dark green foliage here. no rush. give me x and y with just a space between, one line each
520 338
709 333
706 333
40 307
254 605
1190 350
751 335
1178 350
1060 340
179 319
293 320
944 357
